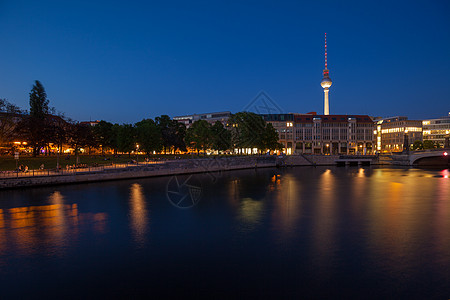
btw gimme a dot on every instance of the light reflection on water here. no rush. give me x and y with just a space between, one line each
44 229
325 222
287 206
250 213
355 226
138 214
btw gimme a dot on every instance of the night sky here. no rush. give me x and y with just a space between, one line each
123 61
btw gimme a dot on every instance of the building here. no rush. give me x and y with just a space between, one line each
324 134
209 117
391 133
284 126
90 123
436 130
326 82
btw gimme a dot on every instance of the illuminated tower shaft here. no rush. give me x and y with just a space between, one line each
326 82
326 108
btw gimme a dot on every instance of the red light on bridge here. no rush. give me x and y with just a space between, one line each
445 153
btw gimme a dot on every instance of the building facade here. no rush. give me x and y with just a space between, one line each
90 123
212 118
391 133
436 130
324 134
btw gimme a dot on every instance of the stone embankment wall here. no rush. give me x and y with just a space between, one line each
400 160
326 160
175 167
311 160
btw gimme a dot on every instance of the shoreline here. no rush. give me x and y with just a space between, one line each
169 168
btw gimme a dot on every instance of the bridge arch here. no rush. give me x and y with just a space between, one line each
431 158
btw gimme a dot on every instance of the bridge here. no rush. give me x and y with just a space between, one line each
435 157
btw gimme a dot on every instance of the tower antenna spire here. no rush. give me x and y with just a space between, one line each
326 82
326 63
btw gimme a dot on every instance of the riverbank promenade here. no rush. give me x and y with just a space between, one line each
12 179
85 173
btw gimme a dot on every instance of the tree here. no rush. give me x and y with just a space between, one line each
172 133
104 135
199 136
247 130
418 145
33 131
126 138
167 135
148 136
428 144
115 137
180 133
221 137
9 114
57 131
81 136
270 139
34 127
38 101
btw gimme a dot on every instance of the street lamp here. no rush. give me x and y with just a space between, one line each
137 154
406 143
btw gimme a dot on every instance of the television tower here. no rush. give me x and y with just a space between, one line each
326 82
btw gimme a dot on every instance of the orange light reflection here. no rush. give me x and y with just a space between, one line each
138 212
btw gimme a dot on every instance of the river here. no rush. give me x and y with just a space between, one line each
303 232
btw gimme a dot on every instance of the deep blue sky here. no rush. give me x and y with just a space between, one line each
122 61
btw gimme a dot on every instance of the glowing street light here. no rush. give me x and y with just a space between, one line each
137 154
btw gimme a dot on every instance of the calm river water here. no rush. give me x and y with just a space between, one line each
303 232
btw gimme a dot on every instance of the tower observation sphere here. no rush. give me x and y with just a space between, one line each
326 82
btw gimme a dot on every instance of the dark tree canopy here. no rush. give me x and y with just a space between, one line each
172 133
148 136
199 135
41 129
427 144
167 134
221 137
126 138
417 145
38 101
8 114
37 127
32 132
81 136
104 135
270 138
249 130
57 131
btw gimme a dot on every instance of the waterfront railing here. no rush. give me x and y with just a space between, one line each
75 170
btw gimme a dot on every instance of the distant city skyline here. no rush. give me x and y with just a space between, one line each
122 62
